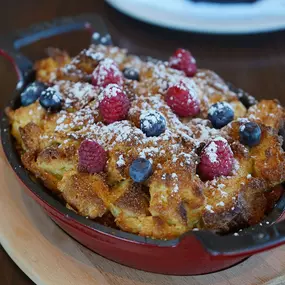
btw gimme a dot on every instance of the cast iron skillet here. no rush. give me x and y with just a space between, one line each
255 239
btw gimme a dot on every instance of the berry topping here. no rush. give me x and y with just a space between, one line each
140 169
216 159
131 73
114 104
32 93
92 157
250 134
183 100
51 99
98 39
220 114
246 99
107 72
183 60
152 123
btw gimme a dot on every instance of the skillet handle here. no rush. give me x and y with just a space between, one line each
256 239
10 44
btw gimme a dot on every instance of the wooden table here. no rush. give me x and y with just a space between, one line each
255 63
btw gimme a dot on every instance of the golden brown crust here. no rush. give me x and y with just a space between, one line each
30 135
133 201
247 208
268 156
268 112
269 161
81 192
46 69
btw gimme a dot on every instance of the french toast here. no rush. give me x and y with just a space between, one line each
148 147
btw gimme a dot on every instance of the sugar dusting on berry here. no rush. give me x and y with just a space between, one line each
211 152
216 108
217 159
56 95
182 98
211 149
112 90
153 118
107 72
113 104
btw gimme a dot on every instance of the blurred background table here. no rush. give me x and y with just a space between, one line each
255 63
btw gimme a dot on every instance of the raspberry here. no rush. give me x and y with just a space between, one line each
216 159
182 99
92 157
183 60
107 72
114 104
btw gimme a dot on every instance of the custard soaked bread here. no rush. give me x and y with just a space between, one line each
161 147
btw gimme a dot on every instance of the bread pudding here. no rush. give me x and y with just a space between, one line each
162 147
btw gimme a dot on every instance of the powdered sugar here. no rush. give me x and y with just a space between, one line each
212 148
209 208
243 120
112 90
220 187
76 94
105 69
211 152
121 161
115 133
174 179
95 55
150 118
219 107
220 204
149 152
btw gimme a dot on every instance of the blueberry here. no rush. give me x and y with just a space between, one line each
250 134
101 40
50 99
32 93
246 99
152 123
220 114
131 73
140 169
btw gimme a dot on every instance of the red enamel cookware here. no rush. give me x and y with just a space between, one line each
195 252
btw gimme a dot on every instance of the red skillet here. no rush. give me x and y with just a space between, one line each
195 252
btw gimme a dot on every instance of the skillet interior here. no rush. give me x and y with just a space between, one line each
40 191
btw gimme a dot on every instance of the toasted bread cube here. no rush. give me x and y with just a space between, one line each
269 113
24 115
82 192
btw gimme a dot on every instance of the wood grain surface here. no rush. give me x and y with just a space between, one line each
255 63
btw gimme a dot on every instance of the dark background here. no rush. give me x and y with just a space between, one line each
255 63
